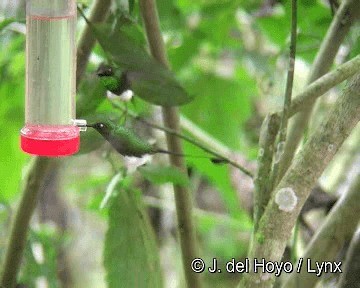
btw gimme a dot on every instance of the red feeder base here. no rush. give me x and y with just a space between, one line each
50 141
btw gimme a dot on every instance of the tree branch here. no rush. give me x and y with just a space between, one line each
183 199
340 26
324 84
351 271
338 227
278 163
19 229
290 195
263 185
87 40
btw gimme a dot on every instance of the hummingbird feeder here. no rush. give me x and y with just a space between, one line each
50 126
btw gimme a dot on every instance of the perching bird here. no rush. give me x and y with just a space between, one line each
127 143
123 140
114 80
132 66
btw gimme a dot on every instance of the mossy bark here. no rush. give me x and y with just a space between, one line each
345 17
276 225
338 227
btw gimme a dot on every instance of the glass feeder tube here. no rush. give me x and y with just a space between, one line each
50 79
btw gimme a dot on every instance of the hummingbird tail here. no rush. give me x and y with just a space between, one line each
212 159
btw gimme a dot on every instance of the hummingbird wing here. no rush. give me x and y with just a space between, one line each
127 143
150 80
156 89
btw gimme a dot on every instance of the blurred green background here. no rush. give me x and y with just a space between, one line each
232 56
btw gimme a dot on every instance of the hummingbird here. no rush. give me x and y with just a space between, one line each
128 143
115 80
124 46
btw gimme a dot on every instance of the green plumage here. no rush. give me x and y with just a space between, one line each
127 143
113 79
111 83
124 46
124 141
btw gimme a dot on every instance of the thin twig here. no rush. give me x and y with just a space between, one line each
183 199
184 137
287 99
346 15
324 84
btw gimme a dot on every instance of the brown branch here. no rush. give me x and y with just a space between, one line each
324 84
339 28
338 227
19 229
351 270
183 199
290 195
279 162
263 185
87 39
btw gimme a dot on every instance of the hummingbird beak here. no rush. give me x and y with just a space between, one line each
90 125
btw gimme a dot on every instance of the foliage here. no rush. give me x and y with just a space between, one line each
41 257
163 174
12 89
124 49
130 256
226 57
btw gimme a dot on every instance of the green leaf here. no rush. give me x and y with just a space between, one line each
162 175
225 105
92 94
131 6
149 79
4 23
312 27
12 90
181 56
131 257
170 15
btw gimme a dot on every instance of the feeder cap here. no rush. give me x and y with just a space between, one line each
50 141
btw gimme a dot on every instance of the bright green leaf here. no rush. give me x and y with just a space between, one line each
92 94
